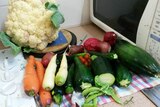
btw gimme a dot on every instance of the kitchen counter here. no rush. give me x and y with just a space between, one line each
91 30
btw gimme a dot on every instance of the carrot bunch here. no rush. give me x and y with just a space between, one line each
32 81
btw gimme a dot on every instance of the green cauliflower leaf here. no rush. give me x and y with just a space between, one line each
57 18
5 39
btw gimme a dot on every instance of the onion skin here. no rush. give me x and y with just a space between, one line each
91 44
94 44
103 47
110 37
74 49
46 59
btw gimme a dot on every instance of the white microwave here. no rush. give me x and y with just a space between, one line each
137 21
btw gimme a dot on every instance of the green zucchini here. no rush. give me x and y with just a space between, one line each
136 59
83 76
100 65
123 75
69 82
102 71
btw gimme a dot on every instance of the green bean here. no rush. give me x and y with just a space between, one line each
95 100
93 96
88 90
93 92
87 105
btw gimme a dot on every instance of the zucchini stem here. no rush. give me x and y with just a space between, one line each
58 98
69 90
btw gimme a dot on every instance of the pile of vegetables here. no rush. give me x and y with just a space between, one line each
31 25
91 68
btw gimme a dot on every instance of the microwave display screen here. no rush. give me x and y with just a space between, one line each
121 15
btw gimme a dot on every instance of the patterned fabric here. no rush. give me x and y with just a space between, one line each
138 83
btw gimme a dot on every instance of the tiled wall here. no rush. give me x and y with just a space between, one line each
3 12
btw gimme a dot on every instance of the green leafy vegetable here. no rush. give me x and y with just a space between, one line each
7 43
28 49
51 6
57 18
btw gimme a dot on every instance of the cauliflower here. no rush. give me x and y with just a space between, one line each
29 25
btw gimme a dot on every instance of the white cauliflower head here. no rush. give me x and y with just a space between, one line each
29 24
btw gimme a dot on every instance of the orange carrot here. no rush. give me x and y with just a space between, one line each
40 71
45 96
30 81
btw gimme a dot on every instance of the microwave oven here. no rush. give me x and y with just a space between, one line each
137 21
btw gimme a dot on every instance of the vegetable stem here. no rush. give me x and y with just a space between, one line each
31 93
110 91
58 98
69 90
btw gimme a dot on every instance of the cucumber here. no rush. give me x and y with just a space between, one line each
83 76
102 71
123 75
136 59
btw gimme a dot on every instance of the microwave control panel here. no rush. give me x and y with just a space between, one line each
153 44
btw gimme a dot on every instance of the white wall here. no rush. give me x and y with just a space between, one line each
76 12
3 12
